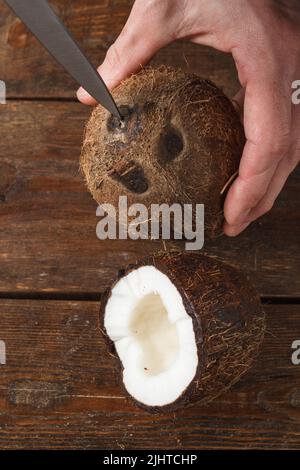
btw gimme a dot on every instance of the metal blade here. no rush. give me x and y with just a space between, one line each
51 32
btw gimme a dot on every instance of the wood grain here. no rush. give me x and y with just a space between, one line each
60 389
29 71
48 219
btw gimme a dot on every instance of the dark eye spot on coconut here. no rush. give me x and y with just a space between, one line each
131 175
170 145
115 124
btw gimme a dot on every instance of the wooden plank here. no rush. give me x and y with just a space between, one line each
59 389
30 72
48 220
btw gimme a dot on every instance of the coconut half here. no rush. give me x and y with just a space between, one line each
183 327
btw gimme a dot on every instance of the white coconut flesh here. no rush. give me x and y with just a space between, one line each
153 335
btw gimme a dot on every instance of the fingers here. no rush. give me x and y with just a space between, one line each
139 40
281 174
245 193
234 230
265 203
267 120
279 179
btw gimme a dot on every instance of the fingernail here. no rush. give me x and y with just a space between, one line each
247 212
242 218
234 230
82 94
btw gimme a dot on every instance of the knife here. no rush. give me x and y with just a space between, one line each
53 35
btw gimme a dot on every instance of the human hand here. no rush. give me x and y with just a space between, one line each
263 38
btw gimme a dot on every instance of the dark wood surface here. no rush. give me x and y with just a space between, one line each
58 388
95 25
48 219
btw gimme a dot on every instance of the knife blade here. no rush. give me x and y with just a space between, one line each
41 20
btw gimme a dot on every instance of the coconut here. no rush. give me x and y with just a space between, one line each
183 328
180 141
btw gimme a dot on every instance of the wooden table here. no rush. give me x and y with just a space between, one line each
59 388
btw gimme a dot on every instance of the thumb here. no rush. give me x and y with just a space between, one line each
141 37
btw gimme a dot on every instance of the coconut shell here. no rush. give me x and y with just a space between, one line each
228 320
181 141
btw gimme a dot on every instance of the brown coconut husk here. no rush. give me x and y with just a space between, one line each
228 320
181 141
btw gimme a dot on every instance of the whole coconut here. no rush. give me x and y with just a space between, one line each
180 142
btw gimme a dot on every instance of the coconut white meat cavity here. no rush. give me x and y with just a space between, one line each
153 335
